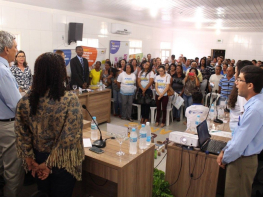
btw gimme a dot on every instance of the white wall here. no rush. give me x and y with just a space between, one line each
41 30
238 45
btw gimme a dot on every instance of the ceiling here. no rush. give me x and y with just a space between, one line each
219 15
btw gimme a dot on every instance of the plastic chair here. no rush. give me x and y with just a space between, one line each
213 96
138 110
153 114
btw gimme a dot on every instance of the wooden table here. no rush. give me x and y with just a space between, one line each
98 104
128 175
200 164
211 181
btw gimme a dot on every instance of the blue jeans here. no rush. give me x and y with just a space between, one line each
117 101
188 100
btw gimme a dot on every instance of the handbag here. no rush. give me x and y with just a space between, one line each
140 98
153 103
170 91
148 97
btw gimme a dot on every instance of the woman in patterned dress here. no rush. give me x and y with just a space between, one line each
48 126
22 72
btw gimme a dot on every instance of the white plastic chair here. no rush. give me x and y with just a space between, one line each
138 110
213 96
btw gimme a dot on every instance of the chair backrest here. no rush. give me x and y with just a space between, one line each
213 96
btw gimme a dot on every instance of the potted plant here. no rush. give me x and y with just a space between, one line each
160 186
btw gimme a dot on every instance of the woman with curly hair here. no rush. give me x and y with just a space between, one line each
48 126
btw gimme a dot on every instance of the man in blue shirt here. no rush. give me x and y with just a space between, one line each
240 153
9 96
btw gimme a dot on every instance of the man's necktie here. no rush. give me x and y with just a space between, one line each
83 75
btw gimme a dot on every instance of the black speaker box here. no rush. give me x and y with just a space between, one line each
75 32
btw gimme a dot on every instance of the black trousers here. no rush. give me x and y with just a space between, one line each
58 184
145 109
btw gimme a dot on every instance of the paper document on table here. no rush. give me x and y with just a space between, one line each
87 142
221 133
115 129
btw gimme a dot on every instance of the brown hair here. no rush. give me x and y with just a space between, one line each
234 93
25 63
59 52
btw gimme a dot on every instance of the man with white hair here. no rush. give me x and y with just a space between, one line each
10 165
199 76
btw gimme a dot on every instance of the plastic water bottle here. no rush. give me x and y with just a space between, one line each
143 136
100 85
212 112
94 129
149 136
133 142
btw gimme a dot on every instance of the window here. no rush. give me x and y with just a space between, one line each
165 50
135 46
88 42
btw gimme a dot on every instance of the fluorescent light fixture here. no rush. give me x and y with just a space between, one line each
218 31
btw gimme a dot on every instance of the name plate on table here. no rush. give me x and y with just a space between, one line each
116 129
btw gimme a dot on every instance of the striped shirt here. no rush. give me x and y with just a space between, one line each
226 86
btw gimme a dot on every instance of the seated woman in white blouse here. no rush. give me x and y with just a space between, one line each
22 72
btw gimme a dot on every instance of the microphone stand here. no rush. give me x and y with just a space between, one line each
98 143
216 120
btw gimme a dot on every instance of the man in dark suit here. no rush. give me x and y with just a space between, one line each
79 69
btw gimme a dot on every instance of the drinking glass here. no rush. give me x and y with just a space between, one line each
74 88
120 138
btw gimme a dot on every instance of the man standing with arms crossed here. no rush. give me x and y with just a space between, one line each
240 153
10 164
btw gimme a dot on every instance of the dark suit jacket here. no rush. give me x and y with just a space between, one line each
77 72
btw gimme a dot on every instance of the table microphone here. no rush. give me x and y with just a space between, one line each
216 120
98 143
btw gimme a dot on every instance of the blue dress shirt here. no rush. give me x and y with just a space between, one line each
248 135
9 93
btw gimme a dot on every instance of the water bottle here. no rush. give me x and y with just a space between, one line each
100 85
212 112
94 129
143 136
133 142
149 136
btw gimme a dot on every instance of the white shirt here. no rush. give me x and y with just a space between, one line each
215 79
127 83
192 112
145 80
162 82
236 112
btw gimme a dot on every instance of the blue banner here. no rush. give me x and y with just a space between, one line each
67 53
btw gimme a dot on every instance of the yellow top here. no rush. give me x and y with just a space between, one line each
95 76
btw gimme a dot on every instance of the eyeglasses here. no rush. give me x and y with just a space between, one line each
21 56
239 80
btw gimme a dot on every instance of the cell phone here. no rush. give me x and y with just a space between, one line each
96 150
191 74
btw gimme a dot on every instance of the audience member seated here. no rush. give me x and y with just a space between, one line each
79 69
22 72
195 109
226 84
162 84
48 126
191 85
95 74
145 81
126 82
215 79
177 77
114 73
